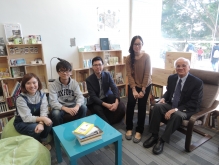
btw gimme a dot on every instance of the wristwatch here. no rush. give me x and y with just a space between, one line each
143 92
176 109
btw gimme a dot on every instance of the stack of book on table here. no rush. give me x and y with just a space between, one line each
87 133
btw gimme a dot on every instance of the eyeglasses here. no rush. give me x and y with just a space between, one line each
179 66
64 71
96 65
137 44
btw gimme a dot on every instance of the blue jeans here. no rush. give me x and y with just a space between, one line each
29 130
58 115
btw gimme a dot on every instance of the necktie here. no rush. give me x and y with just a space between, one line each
177 94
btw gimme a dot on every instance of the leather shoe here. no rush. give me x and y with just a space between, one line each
150 142
158 148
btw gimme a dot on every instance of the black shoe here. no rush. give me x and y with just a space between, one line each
158 148
150 142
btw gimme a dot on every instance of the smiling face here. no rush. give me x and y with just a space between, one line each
182 67
31 86
137 46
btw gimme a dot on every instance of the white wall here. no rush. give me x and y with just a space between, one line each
59 20
146 22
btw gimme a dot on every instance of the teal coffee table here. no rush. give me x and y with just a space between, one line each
63 137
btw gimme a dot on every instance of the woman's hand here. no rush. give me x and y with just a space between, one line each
140 94
39 128
135 94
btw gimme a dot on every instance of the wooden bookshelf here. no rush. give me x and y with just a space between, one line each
28 53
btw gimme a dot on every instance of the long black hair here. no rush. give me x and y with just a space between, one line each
131 51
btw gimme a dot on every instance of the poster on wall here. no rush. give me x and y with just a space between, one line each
12 30
108 19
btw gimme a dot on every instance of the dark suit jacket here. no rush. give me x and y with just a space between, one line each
191 94
93 87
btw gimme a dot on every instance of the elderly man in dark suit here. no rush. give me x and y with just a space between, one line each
104 96
181 100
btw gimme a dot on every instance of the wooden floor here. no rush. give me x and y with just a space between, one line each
134 154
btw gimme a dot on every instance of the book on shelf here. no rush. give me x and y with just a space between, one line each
15 89
19 61
104 43
3 107
15 72
84 128
5 89
93 135
119 78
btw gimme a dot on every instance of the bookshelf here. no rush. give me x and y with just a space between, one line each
113 63
21 59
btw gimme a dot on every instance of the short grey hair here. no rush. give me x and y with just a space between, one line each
182 58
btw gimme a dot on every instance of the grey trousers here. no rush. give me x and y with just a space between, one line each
157 115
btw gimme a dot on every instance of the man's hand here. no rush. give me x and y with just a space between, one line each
114 107
71 111
39 128
162 101
108 106
169 113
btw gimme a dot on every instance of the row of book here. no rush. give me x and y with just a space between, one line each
87 133
15 91
3 107
113 60
11 101
157 91
87 63
3 122
83 86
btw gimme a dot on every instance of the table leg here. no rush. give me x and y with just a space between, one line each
57 148
118 151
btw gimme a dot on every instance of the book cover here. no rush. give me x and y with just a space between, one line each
84 128
104 43
15 72
119 78
14 88
19 61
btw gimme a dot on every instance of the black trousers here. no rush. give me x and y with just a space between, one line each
157 115
141 109
110 117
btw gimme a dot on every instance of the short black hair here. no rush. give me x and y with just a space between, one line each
65 65
97 58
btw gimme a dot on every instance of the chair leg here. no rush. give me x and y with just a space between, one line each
190 147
